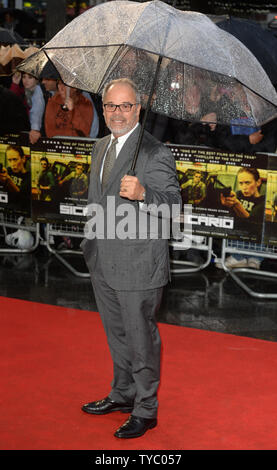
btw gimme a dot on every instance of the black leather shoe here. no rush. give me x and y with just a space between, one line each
105 406
135 427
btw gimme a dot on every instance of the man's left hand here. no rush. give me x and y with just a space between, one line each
131 188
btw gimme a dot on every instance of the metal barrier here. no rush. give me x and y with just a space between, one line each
189 266
15 222
76 231
255 250
65 230
178 266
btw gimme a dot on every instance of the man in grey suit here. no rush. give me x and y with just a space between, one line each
128 272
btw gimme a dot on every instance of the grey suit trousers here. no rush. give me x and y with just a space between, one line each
129 321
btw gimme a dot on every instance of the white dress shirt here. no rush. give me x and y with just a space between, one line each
121 141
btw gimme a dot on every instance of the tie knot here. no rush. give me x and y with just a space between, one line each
114 142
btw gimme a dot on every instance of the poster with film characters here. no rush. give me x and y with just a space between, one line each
226 191
270 225
15 175
60 177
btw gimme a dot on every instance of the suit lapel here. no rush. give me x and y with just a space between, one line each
100 156
98 163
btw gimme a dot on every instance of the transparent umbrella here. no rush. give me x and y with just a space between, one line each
183 64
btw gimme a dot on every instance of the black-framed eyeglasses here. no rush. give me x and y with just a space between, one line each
124 107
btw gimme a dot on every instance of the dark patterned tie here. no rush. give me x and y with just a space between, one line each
109 162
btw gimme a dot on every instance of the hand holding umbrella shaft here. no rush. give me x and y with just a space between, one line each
131 188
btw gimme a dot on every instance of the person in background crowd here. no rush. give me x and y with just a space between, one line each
32 96
246 139
49 78
242 135
13 116
68 113
50 85
95 126
200 127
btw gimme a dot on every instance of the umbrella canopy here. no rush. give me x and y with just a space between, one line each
201 67
261 42
39 66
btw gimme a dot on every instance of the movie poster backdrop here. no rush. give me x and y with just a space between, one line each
270 224
60 176
227 191
15 175
49 182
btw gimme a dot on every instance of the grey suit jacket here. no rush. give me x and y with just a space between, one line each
138 262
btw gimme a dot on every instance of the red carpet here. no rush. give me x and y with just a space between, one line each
217 391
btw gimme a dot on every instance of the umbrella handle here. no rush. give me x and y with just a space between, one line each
132 170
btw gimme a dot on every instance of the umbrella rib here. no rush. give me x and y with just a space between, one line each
81 47
255 92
